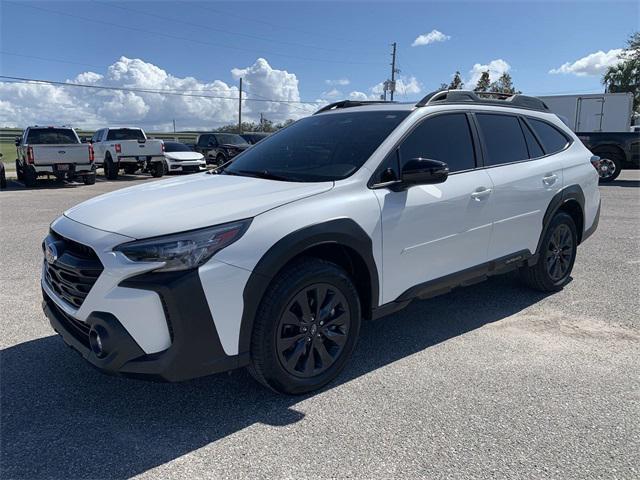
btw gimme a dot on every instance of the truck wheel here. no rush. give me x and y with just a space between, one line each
3 176
556 257
306 327
110 168
89 179
19 171
157 169
130 169
610 164
29 176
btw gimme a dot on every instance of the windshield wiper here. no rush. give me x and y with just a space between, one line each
266 174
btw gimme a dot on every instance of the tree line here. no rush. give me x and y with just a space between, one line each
625 75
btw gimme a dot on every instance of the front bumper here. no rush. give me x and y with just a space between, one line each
195 348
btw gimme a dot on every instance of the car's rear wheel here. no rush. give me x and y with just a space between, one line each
557 255
306 327
110 168
157 169
89 179
610 164
29 176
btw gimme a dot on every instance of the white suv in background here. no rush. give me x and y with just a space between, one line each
346 215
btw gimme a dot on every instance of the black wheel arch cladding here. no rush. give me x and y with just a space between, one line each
342 232
571 200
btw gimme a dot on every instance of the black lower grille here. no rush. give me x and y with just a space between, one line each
190 168
75 270
78 329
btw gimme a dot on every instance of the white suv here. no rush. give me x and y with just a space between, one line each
345 215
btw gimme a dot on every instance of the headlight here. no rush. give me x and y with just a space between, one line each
182 251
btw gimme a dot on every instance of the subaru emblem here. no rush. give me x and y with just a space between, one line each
50 252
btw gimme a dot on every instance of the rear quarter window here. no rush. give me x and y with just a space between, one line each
552 139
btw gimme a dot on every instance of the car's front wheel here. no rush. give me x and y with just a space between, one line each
557 255
306 327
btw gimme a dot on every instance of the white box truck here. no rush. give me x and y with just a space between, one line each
602 112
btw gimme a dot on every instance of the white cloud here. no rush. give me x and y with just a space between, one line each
593 64
404 86
495 67
340 81
332 94
26 104
432 37
356 95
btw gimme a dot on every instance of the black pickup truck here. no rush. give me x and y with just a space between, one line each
617 150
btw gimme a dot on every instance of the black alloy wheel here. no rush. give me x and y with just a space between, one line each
313 330
559 253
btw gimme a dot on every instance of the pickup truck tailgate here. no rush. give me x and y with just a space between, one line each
132 148
56 154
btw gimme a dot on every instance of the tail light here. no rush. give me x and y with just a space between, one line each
595 161
118 148
91 154
30 158
163 146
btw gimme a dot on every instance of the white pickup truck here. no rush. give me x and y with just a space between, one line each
53 151
127 149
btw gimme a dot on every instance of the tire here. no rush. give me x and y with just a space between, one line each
130 169
285 341
220 160
19 171
29 176
611 160
89 179
157 169
3 176
557 255
110 168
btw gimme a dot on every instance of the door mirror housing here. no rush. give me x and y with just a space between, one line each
17 141
424 171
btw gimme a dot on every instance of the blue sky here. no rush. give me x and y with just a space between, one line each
315 41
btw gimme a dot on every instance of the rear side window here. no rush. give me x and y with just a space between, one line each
535 150
444 137
203 140
503 139
552 140
51 136
125 134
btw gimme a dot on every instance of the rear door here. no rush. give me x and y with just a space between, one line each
590 114
525 180
430 231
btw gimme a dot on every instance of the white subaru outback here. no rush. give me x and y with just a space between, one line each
346 215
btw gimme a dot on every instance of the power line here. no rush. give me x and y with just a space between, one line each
176 37
145 90
209 28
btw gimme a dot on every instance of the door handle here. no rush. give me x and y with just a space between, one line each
549 180
481 193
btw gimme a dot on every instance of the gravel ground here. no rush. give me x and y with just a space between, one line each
490 381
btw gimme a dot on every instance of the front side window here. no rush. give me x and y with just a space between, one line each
120 134
503 139
318 148
52 136
552 140
446 138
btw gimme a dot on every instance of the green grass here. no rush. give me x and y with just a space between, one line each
8 151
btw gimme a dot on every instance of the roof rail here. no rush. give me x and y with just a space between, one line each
348 104
494 98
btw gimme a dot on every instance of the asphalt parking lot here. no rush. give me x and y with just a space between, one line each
489 381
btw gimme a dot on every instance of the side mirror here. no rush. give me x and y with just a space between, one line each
424 171
17 141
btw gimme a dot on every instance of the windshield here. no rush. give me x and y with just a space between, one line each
176 147
125 134
51 136
231 139
319 148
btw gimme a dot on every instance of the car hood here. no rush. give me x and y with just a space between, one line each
187 203
183 155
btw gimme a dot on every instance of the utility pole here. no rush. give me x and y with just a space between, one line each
261 122
174 125
240 108
393 71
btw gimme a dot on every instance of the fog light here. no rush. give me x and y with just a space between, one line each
97 337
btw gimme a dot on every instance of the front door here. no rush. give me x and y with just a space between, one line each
429 231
